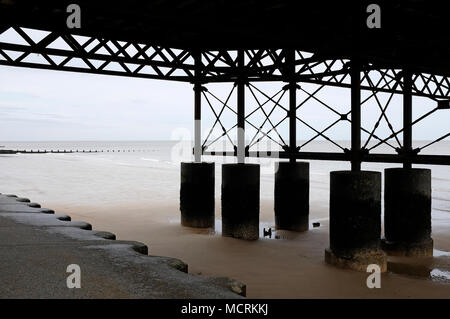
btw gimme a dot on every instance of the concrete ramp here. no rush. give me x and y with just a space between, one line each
37 246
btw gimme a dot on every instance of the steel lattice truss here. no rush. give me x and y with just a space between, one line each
112 57
67 52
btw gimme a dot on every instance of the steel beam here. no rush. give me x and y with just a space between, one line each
197 109
330 156
155 62
407 117
355 73
290 72
241 107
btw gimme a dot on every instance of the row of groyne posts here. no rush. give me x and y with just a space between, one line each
66 151
71 151
355 195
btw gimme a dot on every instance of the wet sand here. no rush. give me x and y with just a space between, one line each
290 267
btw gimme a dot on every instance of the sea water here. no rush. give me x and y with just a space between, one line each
148 171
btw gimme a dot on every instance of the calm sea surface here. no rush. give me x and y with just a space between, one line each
148 171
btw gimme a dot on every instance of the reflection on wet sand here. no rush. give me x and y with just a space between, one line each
436 268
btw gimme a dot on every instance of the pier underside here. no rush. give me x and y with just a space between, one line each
303 50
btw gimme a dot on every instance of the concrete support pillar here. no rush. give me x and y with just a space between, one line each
240 201
292 196
355 220
197 195
407 212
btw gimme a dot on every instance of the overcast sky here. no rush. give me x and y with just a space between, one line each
49 105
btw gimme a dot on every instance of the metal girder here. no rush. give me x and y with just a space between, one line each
66 52
333 156
143 60
359 153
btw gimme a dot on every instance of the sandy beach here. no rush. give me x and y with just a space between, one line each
291 267
140 202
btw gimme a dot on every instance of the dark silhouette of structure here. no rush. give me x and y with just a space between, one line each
247 42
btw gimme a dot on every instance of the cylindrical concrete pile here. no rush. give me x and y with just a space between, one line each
407 212
240 201
197 195
292 196
355 220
